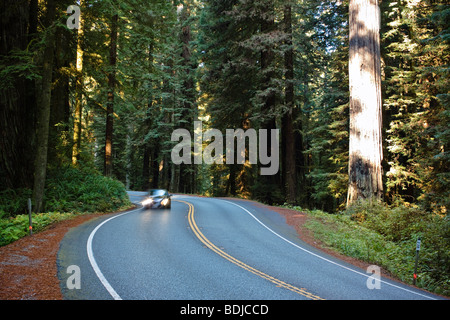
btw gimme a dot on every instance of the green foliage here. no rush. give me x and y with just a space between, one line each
267 192
74 190
402 226
69 191
323 71
14 202
12 229
416 50
386 236
435 266
395 223
17 65
224 62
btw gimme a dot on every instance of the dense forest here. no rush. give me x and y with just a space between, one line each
103 84
355 91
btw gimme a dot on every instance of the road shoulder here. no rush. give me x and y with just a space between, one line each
28 269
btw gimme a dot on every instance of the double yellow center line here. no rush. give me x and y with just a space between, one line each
239 263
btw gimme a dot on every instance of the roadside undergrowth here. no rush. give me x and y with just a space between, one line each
386 236
70 192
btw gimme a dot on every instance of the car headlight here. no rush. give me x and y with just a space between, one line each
165 202
147 202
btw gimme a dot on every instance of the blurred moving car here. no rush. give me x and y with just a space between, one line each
157 198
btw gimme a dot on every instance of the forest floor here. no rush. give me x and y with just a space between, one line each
28 269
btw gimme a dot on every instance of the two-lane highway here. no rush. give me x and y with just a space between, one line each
206 249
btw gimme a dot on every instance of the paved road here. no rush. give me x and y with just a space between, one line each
207 249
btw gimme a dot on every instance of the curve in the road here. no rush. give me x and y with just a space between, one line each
239 263
93 262
211 242
206 242
325 259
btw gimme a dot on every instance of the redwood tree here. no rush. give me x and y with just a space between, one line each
44 89
78 92
365 152
287 128
110 104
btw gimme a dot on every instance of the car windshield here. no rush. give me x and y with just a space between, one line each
157 192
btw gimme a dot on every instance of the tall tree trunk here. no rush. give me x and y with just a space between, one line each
110 104
17 100
146 167
44 100
365 152
287 129
155 168
60 106
78 94
187 172
269 122
148 152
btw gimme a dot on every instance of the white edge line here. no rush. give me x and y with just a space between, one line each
323 258
94 265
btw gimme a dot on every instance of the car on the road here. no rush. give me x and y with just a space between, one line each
157 198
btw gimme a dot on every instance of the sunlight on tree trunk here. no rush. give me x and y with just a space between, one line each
110 104
78 95
365 152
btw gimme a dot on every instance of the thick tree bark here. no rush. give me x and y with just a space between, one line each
44 105
155 168
268 27
148 152
78 94
110 104
60 104
17 101
287 129
187 179
365 171
146 167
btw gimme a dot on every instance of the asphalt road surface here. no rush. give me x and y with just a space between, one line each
208 249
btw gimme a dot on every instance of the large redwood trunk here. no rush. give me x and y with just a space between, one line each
17 98
287 129
110 104
365 171
44 89
76 149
